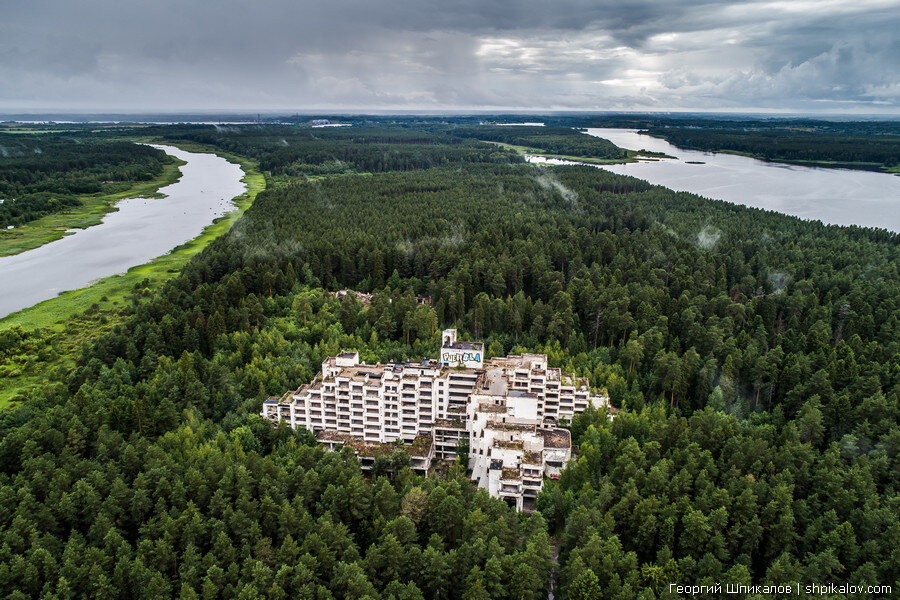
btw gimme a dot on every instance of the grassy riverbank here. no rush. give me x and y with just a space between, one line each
107 293
30 358
91 211
55 328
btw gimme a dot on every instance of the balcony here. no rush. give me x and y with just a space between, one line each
508 488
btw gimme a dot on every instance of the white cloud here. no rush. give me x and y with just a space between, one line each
283 54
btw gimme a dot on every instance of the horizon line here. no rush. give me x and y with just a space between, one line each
269 113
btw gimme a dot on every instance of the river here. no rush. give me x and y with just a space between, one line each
834 196
139 231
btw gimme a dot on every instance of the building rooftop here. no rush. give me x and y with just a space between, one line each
514 474
532 458
510 426
419 447
557 438
515 445
449 423
492 382
464 345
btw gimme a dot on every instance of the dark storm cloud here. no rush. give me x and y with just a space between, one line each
284 54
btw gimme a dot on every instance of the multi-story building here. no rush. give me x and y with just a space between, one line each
506 410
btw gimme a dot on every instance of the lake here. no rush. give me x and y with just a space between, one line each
139 231
834 196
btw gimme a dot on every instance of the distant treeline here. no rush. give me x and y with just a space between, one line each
549 140
287 151
850 150
856 144
725 123
43 174
623 120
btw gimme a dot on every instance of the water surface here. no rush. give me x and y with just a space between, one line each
140 230
834 196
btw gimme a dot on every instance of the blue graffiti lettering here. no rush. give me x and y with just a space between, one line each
462 357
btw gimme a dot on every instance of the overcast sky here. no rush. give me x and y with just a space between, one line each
263 55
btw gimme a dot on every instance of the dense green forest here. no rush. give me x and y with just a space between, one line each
287 152
755 357
305 151
871 145
44 174
547 140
